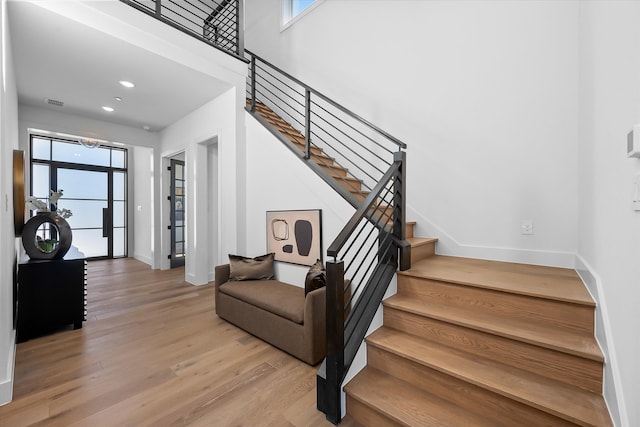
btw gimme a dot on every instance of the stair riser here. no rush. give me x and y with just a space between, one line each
503 411
410 227
506 306
570 369
350 185
422 251
329 168
368 416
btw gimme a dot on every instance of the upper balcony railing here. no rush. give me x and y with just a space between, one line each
216 22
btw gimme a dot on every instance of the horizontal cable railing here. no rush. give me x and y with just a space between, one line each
216 22
364 258
330 133
366 254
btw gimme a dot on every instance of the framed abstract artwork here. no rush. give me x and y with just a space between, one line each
295 236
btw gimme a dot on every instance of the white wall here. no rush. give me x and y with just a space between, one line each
485 99
609 229
219 122
278 180
141 203
8 142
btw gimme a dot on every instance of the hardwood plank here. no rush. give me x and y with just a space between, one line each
502 411
566 402
502 305
545 282
400 403
573 370
582 345
153 352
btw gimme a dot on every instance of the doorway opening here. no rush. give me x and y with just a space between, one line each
177 212
94 185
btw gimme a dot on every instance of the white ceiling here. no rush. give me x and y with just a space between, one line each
59 58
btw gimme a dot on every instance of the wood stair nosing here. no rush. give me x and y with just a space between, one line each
501 303
399 403
500 410
558 399
562 366
581 345
531 280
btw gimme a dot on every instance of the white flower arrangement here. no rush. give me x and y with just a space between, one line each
38 205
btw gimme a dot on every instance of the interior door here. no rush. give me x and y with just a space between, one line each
177 214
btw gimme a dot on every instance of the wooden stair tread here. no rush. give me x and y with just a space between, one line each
582 345
544 282
570 403
406 404
421 241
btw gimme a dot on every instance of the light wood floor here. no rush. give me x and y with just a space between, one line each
153 352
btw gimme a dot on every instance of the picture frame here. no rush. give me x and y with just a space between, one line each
295 236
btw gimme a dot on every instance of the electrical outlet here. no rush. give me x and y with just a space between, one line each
526 227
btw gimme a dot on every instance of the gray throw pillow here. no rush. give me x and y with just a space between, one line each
258 268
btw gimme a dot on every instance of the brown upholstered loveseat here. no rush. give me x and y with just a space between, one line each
276 312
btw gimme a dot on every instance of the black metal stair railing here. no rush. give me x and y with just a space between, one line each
366 254
332 135
364 258
216 22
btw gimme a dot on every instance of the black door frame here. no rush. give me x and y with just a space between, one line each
174 259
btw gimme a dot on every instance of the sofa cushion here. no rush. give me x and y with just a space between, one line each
271 295
258 268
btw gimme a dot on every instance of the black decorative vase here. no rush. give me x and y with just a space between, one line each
46 236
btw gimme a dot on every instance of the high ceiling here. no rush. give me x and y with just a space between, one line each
60 59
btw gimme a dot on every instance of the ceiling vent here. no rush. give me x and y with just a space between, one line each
54 102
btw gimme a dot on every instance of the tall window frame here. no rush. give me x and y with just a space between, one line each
115 165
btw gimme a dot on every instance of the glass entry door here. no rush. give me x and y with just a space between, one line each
97 201
94 185
177 216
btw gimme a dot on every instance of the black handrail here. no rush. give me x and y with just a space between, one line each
325 98
219 23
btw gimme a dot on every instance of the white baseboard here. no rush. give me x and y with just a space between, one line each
612 390
6 386
447 245
143 258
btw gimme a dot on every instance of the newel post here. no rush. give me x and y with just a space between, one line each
399 211
335 339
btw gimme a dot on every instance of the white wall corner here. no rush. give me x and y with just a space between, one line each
144 258
612 389
6 386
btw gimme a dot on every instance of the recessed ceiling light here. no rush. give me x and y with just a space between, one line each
117 98
127 84
105 108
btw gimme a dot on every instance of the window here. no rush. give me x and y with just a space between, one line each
291 9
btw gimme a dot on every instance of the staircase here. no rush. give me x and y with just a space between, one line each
480 343
335 171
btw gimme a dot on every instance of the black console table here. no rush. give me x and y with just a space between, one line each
51 295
